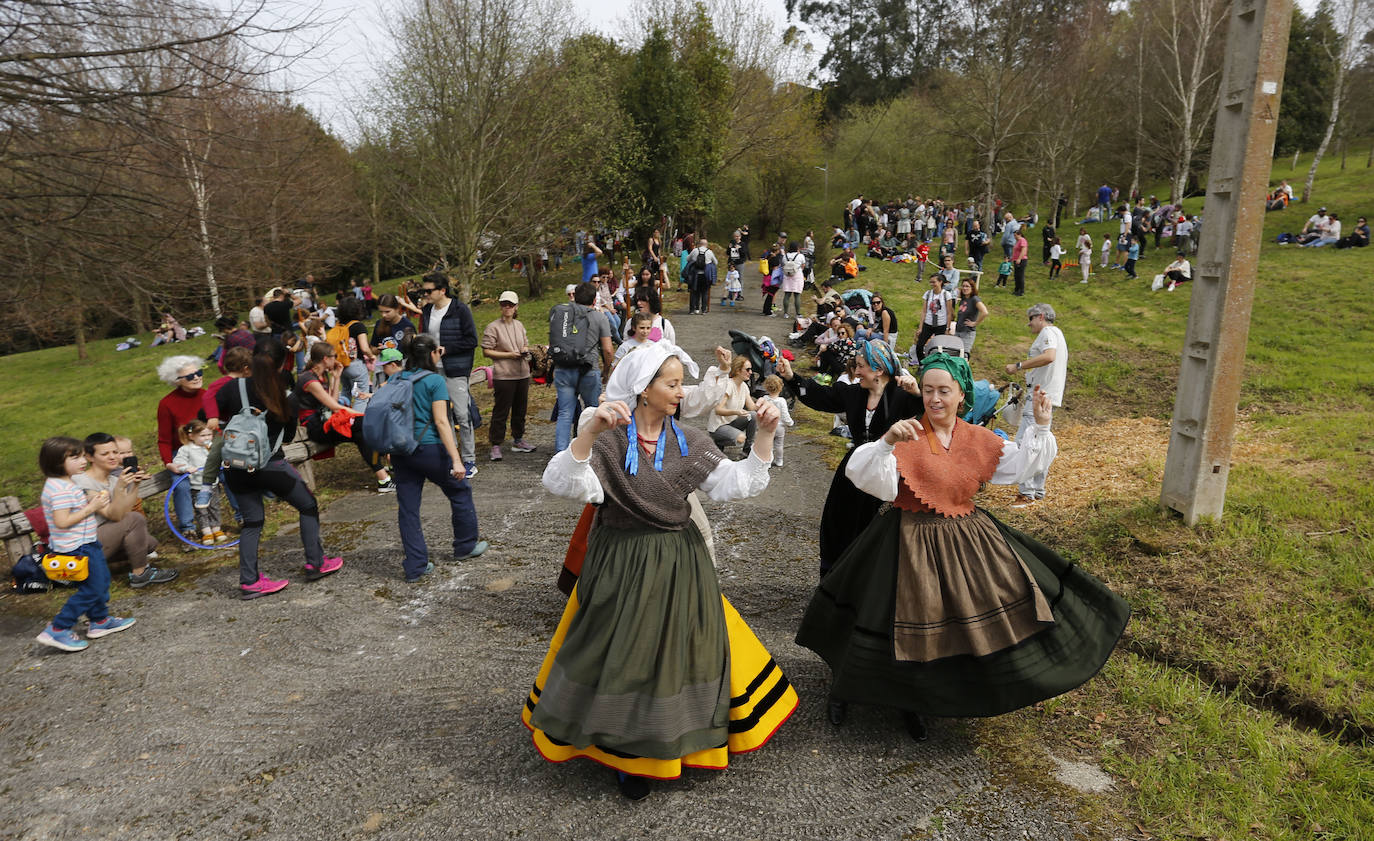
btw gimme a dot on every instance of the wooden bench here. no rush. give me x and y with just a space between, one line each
17 533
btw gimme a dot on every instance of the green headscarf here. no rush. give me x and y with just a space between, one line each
957 367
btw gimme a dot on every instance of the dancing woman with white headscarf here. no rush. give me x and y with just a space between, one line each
650 668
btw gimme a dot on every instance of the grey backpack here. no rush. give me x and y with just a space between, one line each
246 439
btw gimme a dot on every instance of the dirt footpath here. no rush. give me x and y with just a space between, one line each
362 707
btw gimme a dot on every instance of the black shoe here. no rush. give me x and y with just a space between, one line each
915 726
634 788
836 711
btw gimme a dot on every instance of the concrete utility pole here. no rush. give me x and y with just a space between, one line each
1203 429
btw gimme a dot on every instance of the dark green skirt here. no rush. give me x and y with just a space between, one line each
643 664
850 619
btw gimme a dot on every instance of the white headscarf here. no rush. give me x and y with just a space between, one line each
636 370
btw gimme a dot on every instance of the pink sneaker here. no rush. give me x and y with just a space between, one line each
328 566
264 586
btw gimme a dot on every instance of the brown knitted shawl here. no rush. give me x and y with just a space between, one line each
651 499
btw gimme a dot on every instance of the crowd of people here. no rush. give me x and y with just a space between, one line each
925 603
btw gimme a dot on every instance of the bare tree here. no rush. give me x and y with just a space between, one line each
1353 18
488 139
1188 37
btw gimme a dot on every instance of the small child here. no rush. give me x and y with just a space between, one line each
196 438
72 531
1003 272
1106 250
1132 254
734 289
773 385
641 328
922 255
1056 257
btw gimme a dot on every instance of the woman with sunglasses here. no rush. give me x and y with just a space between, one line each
732 421
885 321
184 403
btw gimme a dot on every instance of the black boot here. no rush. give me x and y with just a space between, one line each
635 788
836 711
915 726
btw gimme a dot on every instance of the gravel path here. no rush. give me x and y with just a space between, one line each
363 707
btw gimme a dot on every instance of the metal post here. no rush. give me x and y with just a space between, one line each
1223 287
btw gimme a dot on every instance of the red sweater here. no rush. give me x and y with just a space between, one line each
175 409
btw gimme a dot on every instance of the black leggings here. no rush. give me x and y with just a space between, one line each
282 480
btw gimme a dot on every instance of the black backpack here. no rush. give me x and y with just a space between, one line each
699 262
570 335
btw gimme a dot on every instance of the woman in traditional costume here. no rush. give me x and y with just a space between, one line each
881 396
938 608
650 669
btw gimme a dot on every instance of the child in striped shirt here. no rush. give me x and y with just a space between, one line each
72 531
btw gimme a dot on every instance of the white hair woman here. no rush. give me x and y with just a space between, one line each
651 669
184 403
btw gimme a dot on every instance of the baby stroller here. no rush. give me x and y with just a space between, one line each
760 352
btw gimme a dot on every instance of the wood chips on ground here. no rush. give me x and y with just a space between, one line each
1121 458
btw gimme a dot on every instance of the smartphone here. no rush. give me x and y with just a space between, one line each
131 463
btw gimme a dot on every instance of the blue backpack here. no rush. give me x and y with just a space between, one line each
389 419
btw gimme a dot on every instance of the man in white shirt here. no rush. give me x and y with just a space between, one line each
1046 366
1315 222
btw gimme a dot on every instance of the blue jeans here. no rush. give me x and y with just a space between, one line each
430 461
183 508
92 596
570 384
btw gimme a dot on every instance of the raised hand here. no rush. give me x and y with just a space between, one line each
783 367
609 415
1041 406
766 418
903 430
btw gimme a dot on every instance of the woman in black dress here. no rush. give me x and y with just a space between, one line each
883 394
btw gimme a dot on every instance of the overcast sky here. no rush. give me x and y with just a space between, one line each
355 40
335 74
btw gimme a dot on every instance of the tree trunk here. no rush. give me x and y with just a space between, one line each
1343 146
534 285
1343 59
81 333
1139 107
195 181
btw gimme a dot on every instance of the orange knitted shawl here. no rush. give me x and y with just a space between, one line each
944 481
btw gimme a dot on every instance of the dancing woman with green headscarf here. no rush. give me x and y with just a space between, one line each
985 619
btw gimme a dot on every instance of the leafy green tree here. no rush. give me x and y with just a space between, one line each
877 48
1307 76
676 97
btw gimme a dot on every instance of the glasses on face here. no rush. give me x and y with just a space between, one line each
429 291
507 304
877 300
193 375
